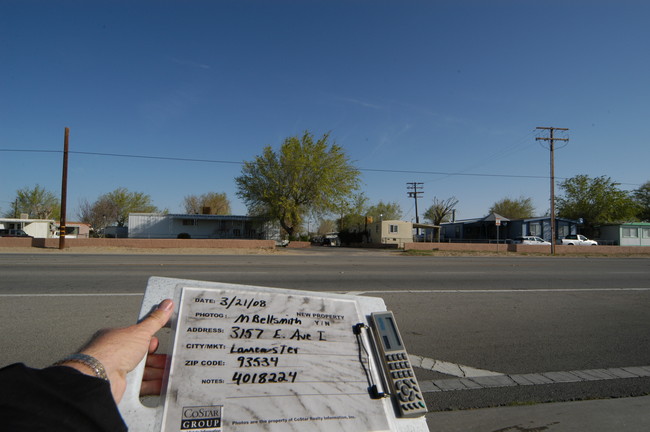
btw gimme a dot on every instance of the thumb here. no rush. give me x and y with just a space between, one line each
158 318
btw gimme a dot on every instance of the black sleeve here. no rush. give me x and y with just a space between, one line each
56 399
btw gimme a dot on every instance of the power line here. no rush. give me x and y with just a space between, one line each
450 173
126 156
394 171
511 149
241 163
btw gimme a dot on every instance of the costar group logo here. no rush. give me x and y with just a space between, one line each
202 418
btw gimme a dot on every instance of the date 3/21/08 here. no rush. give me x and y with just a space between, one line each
264 377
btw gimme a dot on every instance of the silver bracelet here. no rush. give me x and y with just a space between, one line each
87 360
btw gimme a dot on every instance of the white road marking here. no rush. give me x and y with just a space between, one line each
74 295
468 378
358 293
496 291
454 369
498 381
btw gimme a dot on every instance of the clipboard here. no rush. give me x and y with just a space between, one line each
249 358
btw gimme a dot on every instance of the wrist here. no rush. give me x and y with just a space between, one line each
85 364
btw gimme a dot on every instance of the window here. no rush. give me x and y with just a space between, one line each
536 229
189 222
645 232
236 232
630 232
563 230
393 228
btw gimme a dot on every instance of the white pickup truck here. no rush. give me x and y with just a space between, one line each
578 240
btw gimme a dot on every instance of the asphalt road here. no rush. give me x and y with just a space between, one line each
506 315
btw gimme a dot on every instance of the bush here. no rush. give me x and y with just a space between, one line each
184 236
348 237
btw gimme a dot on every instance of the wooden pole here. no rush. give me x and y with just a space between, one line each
64 189
551 141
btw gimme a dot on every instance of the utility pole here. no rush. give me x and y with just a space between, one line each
64 189
551 140
415 191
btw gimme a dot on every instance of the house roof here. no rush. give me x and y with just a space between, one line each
199 216
642 224
419 225
211 217
25 220
492 217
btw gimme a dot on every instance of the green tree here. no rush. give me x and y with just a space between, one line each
303 176
353 213
37 202
385 211
114 208
217 203
596 200
326 226
642 198
520 208
358 213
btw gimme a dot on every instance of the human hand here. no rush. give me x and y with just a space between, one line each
120 350
154 370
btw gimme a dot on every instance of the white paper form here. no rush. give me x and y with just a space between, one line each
260 361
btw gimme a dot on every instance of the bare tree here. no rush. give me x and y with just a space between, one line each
440 211
98 215
114 208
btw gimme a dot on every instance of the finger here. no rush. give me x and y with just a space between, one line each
156 361
152 374
151 388
153 345
158 318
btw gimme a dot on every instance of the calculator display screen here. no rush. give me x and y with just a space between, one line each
388 333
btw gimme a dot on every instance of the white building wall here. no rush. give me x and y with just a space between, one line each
391 232
40 229
37 228
154 225
150 225
627 234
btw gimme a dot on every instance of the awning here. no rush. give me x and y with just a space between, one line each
419 225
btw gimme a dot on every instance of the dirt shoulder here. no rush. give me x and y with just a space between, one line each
292 252
146 251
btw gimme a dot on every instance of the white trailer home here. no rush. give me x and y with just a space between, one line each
159 225
37 228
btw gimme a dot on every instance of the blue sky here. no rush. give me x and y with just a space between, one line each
408 88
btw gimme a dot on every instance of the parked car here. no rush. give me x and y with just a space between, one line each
578 240
531 240
13 233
